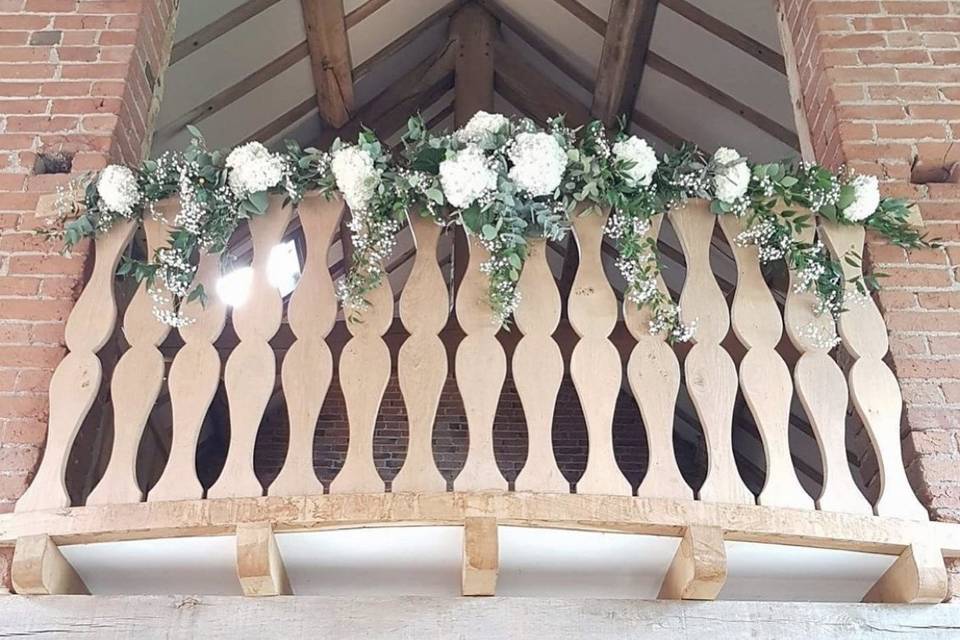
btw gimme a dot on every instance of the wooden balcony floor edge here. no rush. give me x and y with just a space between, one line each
397 618
652 516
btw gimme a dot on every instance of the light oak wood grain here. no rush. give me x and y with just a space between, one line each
480 367
250 372
138 376
653 372
595 363
364 373
538 370
823 393
701 299
873 387
481 557
699 568
917 576
710 373
305 617
627 514
712 384
193 381
764 377
308 365
76 380
260 567
38 568
422 361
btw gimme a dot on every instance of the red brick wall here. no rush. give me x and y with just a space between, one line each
450 437
76 76
881 87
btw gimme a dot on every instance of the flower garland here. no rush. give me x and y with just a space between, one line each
504 180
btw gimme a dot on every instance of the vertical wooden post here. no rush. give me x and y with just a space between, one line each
595 364
329 59
40 569
422 361
764 376
653 372
250 372
481 557
699 568
474 31
622 61
308 365
139 375
710 374
917 576
259 563
76 380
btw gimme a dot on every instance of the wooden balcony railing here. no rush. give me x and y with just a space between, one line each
840 517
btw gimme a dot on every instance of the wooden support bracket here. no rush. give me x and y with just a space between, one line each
40 569
919 575
259 563
699 568
481 557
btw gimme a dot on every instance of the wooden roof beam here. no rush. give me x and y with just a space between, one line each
364 11
436 70
725 32
223 24
763 122
330 59
555 57
531 91
625 45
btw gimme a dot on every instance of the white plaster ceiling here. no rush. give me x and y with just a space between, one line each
426 561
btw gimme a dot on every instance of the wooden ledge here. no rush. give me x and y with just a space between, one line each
653 516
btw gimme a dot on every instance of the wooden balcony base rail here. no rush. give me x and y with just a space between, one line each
697 572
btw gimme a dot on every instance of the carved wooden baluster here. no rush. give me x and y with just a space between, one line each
138 376
764 376
654 376
308 365
480 367
251 370
193 380
76 381
422 361
595 364
710 373
364 373
873 387
823 393
538 370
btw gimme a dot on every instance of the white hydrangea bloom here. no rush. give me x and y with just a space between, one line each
253 169
866 198
357 176
538 163
118 190
732 178
480 126
467 177
644 159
